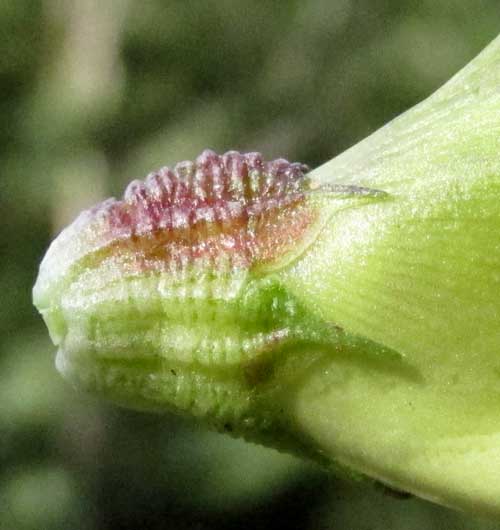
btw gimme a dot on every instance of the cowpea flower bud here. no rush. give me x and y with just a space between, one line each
350 314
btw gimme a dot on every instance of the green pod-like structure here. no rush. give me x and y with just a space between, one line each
349 314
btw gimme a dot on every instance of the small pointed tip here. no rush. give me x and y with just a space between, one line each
346 190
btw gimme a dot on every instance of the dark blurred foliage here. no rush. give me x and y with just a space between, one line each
96 93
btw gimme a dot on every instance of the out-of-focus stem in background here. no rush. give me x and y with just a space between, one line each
80 85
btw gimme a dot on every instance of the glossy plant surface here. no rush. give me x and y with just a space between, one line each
349 314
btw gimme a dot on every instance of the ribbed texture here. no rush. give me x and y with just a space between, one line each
221 209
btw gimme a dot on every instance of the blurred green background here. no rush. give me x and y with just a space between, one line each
96 93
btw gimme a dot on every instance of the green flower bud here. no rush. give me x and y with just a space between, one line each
350 314
171 297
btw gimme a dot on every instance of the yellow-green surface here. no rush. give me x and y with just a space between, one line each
375 345
95 94
419 274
